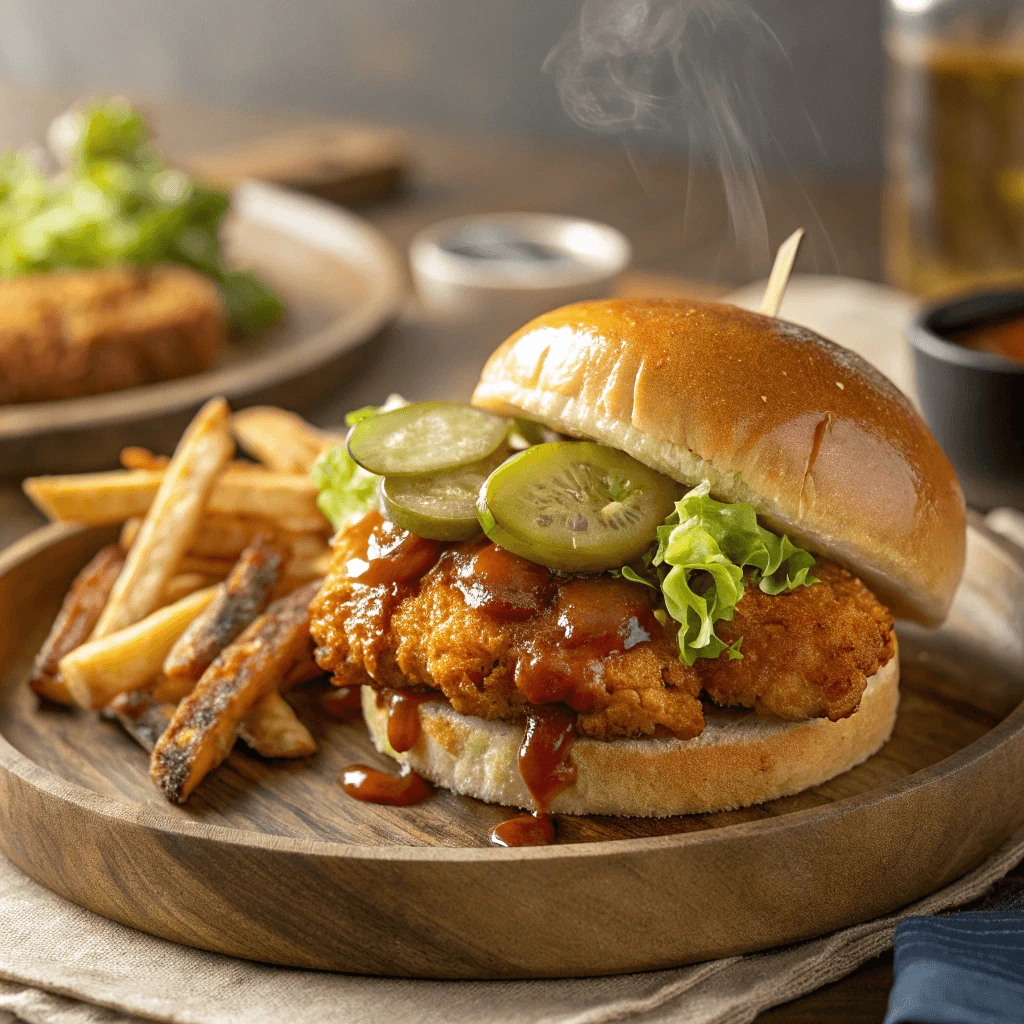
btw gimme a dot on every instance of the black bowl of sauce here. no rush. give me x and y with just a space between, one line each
969 364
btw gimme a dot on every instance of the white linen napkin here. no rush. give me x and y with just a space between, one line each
61 964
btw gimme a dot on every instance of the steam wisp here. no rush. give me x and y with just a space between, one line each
665 70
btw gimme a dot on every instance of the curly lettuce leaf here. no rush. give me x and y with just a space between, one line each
346 489
117 203
703 548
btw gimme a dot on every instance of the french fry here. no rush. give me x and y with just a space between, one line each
135 457
172 519
129 532
287 499
243 596
170 691
281 440
95 499
184 583
76 619
219 567
142 716
100 669
223 536
100 499
227 536
206 722
273 729
306 546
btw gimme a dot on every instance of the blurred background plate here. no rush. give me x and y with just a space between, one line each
341 281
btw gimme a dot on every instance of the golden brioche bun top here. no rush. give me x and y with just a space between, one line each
823 446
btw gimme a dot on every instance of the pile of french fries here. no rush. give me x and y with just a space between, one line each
190 628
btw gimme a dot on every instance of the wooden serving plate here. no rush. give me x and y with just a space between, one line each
273 862
341 281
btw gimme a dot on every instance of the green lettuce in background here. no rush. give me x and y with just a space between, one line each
346 489
703 548
115 203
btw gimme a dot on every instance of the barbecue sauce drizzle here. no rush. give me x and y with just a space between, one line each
376 787
389 560
547 768
404 716
342 701
574 625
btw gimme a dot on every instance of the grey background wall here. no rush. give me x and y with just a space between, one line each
459 63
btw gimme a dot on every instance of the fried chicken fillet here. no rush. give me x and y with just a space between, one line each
64 335
494 648
495 634
807 653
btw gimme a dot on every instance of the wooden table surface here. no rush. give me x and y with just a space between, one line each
670 235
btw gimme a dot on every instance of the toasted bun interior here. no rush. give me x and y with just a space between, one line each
739 759
824 447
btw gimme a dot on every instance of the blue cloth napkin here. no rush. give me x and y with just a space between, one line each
962 968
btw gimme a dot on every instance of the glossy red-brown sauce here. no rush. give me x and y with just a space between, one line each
500 583
524 830
1001 339
562 660
342 701
403 708
385 554
376 787
564 629
545 756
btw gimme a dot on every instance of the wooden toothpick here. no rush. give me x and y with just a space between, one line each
779 277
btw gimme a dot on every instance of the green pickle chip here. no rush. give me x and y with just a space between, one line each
440 506
426 437
575 506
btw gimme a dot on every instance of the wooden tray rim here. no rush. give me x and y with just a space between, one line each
317 223
12 761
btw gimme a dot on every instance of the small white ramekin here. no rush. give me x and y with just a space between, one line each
506 294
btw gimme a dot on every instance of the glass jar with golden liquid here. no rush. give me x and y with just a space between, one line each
954 188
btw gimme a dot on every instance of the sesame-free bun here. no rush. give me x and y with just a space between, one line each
740 758
824 447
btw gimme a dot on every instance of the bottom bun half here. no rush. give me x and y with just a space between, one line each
740 758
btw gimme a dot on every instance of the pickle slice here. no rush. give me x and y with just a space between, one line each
425 437
575 506
439 506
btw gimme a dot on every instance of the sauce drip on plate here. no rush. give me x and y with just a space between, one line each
376 787
524 830
547 768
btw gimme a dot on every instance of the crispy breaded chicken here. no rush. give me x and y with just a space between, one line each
496 634
806 653
476 660
555 641
64 335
